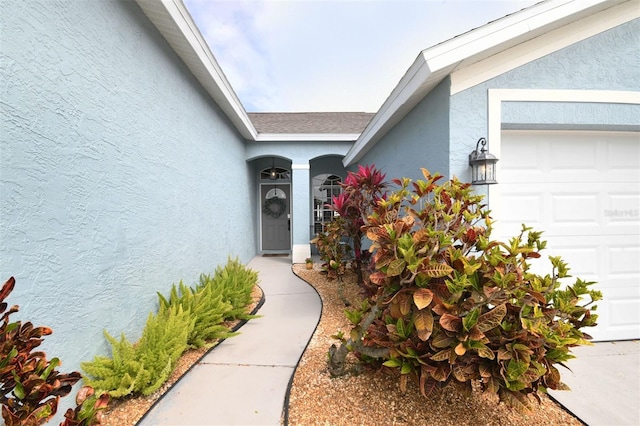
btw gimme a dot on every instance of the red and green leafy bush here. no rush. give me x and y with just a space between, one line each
341 241
30 385
89 408
453 305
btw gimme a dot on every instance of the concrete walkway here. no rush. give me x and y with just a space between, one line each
244 380
605 384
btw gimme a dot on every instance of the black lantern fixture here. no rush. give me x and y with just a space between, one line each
273 173
483 165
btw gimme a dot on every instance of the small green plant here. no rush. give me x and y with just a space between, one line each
89 408
308 260
334 253
30 385
453 305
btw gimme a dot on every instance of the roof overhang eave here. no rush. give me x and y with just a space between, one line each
417 82
174 22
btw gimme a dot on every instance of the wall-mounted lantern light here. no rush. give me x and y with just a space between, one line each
483 165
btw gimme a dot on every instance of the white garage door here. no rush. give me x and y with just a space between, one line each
583 190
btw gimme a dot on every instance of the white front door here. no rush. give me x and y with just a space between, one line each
275 205
583 190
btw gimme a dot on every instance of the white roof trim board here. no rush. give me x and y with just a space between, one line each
307 137
437 62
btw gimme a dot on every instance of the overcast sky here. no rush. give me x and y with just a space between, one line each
323 55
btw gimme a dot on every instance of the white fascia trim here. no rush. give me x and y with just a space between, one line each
495 98
435 63
184 33
307 137
553 41
551 95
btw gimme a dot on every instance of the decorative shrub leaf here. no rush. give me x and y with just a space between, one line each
515 369
450 322
404 302
485 352
375 233
470 319
460 349
423 320
441 340
392 363
443 355
515 400
396 267
441 373
422 297
378 277
437 270
492 319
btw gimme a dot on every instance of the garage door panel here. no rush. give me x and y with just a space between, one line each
625 260
620 154
575 208
583 192
526 159
526 208
623 207
573 155
624 312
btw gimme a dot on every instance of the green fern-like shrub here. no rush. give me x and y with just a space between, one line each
119 374
188 318
236 282
207 306
142 368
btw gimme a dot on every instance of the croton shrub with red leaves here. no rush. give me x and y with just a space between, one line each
30 385
340 243
451 304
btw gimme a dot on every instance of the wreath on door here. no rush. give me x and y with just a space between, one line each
274 207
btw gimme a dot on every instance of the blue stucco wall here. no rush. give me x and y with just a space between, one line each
118 175
607 61
419 140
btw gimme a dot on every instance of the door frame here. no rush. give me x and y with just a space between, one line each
287 191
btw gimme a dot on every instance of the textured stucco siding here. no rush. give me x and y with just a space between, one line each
118 175
419 140
607 61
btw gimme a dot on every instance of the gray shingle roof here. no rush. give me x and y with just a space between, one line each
310 122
